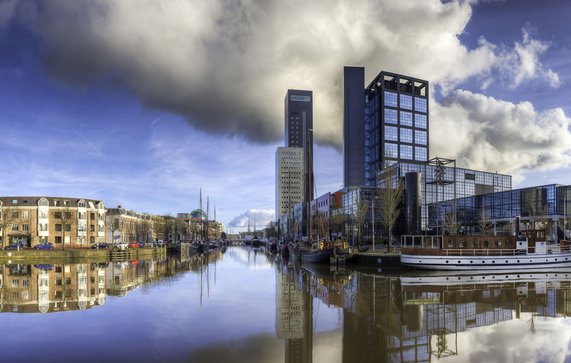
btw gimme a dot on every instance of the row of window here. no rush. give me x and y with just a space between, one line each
392 134
396 151
393 99
405 118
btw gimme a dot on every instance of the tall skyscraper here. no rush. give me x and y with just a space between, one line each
298 124
290 183
396 122
354 126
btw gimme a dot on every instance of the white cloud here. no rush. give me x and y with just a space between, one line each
261 217
496 135
227 65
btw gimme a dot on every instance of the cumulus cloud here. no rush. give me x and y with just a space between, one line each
261 217
226 65
492 134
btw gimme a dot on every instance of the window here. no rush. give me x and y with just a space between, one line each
406 136
420 104
43 215
25 228
420 154
15 227
57 215
43 202
68 227
58 227
405 118
469 176
25 215
391 150
406 102
498 243
420 137
14 215
67 215
15 283
486 244
406 152
450 243
391 99
420 121
475 243
92 216
58 238
462 244
391 133
391 116
26 283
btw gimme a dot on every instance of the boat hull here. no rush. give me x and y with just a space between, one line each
454 263
321 256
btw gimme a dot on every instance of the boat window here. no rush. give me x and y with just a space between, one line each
509 244
486 244
498 243
450 243
475 243
462 243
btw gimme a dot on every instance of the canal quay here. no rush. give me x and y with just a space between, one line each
241 304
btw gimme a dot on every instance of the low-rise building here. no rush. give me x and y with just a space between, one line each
62 221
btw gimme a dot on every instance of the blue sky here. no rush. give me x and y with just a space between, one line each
142 103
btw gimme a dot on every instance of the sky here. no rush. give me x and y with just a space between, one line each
143 103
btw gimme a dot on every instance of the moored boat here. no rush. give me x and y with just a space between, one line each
483 253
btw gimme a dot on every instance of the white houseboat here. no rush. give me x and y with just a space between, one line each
530 251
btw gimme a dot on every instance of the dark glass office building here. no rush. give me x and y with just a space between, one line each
298 126
396 122
354 126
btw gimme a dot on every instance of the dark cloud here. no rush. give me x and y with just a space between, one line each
226 65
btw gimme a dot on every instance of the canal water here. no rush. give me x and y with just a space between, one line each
243 305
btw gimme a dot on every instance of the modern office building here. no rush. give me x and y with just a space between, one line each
545 207
290 182
396 122
387 122
354 126
298 124
62 221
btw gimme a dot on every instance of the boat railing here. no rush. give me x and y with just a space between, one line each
421 241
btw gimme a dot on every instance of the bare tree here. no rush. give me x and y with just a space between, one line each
484 225
390 197
145 229
158 227
114 225
360 216
6 220
450 222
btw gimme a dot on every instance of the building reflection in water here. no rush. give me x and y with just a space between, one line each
47 288
414 318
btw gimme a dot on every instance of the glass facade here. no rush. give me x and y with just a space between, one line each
401 102
459 183
545 207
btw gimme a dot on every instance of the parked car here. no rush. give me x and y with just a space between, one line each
15 246
120 245
133 244
44 246
142 244
99 245
160 243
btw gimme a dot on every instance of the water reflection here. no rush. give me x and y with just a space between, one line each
414 317
48 288
244 305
